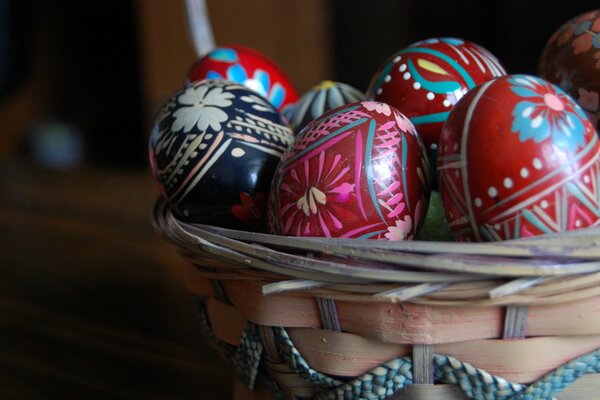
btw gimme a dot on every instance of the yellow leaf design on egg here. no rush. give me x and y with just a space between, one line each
430 66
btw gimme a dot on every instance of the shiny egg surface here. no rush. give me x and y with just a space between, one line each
250 68
571 60
424 80
518 158
359 171
213 150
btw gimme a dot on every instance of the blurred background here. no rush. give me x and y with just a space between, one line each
92 301
80 82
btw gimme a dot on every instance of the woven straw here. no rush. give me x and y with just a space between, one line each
315 318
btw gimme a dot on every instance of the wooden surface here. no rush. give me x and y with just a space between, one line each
91 302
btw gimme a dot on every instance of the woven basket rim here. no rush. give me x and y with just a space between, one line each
564 266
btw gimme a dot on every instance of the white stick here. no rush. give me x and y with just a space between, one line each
199 27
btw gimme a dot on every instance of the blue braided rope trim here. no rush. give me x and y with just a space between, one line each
562 377
475 383
288 353
383 381
379 383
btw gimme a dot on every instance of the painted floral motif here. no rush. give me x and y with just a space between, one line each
224 54
204 108
252 210
401 231
404 123
585 29
546 111
589 102
582 44
317 202
260 82
379 108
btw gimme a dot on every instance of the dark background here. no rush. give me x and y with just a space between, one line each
515 31
95 82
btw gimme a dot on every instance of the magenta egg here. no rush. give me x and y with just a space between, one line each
426 79
517 158
359 171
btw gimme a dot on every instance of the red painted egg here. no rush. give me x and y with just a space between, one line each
427 78
359 171
247 67
571 60
517 158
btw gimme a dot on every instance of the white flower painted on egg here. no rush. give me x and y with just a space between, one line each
204 109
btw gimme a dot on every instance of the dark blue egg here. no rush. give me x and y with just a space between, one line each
213 150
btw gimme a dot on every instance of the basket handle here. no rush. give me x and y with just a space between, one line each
199 27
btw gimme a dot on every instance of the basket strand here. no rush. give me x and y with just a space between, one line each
206 329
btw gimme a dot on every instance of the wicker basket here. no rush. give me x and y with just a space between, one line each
305 318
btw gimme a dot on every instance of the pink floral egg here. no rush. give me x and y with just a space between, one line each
518 158
359 171
571 60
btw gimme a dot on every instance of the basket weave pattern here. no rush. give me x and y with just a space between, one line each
343 319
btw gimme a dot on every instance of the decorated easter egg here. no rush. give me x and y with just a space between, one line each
426 79
326 96
571 60
247 67
213 150
359 171
518 158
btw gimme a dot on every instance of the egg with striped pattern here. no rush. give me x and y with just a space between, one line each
318 100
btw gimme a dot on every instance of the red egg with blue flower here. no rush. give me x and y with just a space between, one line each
250 68
518 157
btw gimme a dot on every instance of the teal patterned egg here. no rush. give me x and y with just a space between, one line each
326 96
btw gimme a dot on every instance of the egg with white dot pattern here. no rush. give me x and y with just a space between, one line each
518 157
425 79
214 147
